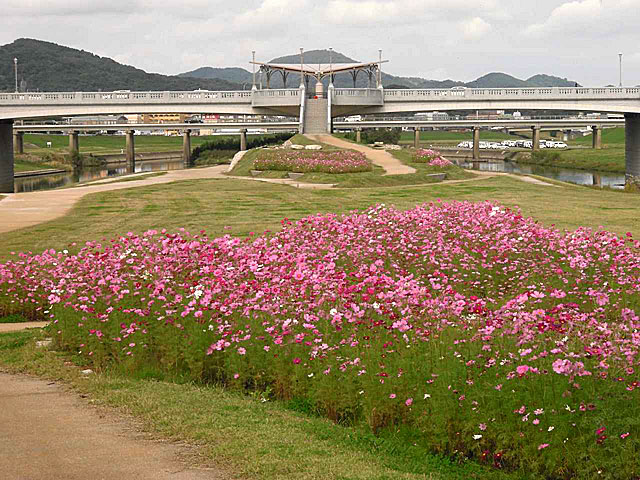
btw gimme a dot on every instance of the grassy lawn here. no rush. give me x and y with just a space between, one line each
242 434
246 206
277 440
26 163
374 178
106 144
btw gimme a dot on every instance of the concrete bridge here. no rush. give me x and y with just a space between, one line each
316 112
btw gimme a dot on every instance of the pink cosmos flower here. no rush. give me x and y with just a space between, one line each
543 446
409 402
392 396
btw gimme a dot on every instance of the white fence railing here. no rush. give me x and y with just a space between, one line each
559 93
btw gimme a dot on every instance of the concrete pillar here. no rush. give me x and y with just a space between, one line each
358 135
6 156
566 135
596 131
597 180
131 149
476 143
18 142
535 138
632 149
243 139
416 138
74 144
186 147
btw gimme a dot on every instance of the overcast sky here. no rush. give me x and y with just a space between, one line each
435 39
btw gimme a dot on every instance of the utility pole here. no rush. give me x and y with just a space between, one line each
15 67
620 55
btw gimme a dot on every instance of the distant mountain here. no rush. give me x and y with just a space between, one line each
315 56
230 74
542 80
50 67
491 80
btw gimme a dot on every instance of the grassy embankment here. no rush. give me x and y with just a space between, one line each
374 178
610 159
271 440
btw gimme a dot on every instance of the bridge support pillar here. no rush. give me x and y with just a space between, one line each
597 137
74 144
130 150
632 150
358 135
186 147
416 138
6 156
476 143
535 138
18 142
243 139
597 180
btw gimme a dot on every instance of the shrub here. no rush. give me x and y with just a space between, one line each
390 136
234 143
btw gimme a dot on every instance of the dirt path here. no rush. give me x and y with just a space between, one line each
49 434
20 210
381 158
14 327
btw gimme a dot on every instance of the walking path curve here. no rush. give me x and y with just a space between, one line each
381 158
49 434
20 210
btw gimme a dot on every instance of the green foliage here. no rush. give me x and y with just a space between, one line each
545 156
233 144
50 67
387 135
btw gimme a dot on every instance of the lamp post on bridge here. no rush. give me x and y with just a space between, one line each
253 86
380 68
301 66
620 55
331 66
15 67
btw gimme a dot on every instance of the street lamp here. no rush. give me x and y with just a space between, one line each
253 87
380 69
620 55
301 66
330 66
15 67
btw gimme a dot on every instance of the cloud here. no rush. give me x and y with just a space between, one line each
41 8
588 18
475 28
402 12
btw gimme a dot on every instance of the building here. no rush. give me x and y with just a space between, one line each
164 117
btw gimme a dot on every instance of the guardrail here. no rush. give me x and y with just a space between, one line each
90 98
555 93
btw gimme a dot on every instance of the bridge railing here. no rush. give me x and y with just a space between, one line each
119 97
357 96
555 93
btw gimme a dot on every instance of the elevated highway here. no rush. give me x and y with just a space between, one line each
309 108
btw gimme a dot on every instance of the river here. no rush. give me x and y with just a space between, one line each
87 174
46 182
579 177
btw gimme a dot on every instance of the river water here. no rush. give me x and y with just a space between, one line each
580 177
46 182
56 180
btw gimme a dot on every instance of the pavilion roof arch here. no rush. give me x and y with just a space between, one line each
319 70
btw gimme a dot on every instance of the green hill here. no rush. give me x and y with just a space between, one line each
491 80
50 67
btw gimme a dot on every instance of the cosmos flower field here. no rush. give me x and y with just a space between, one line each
338 161
433 158
486 335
